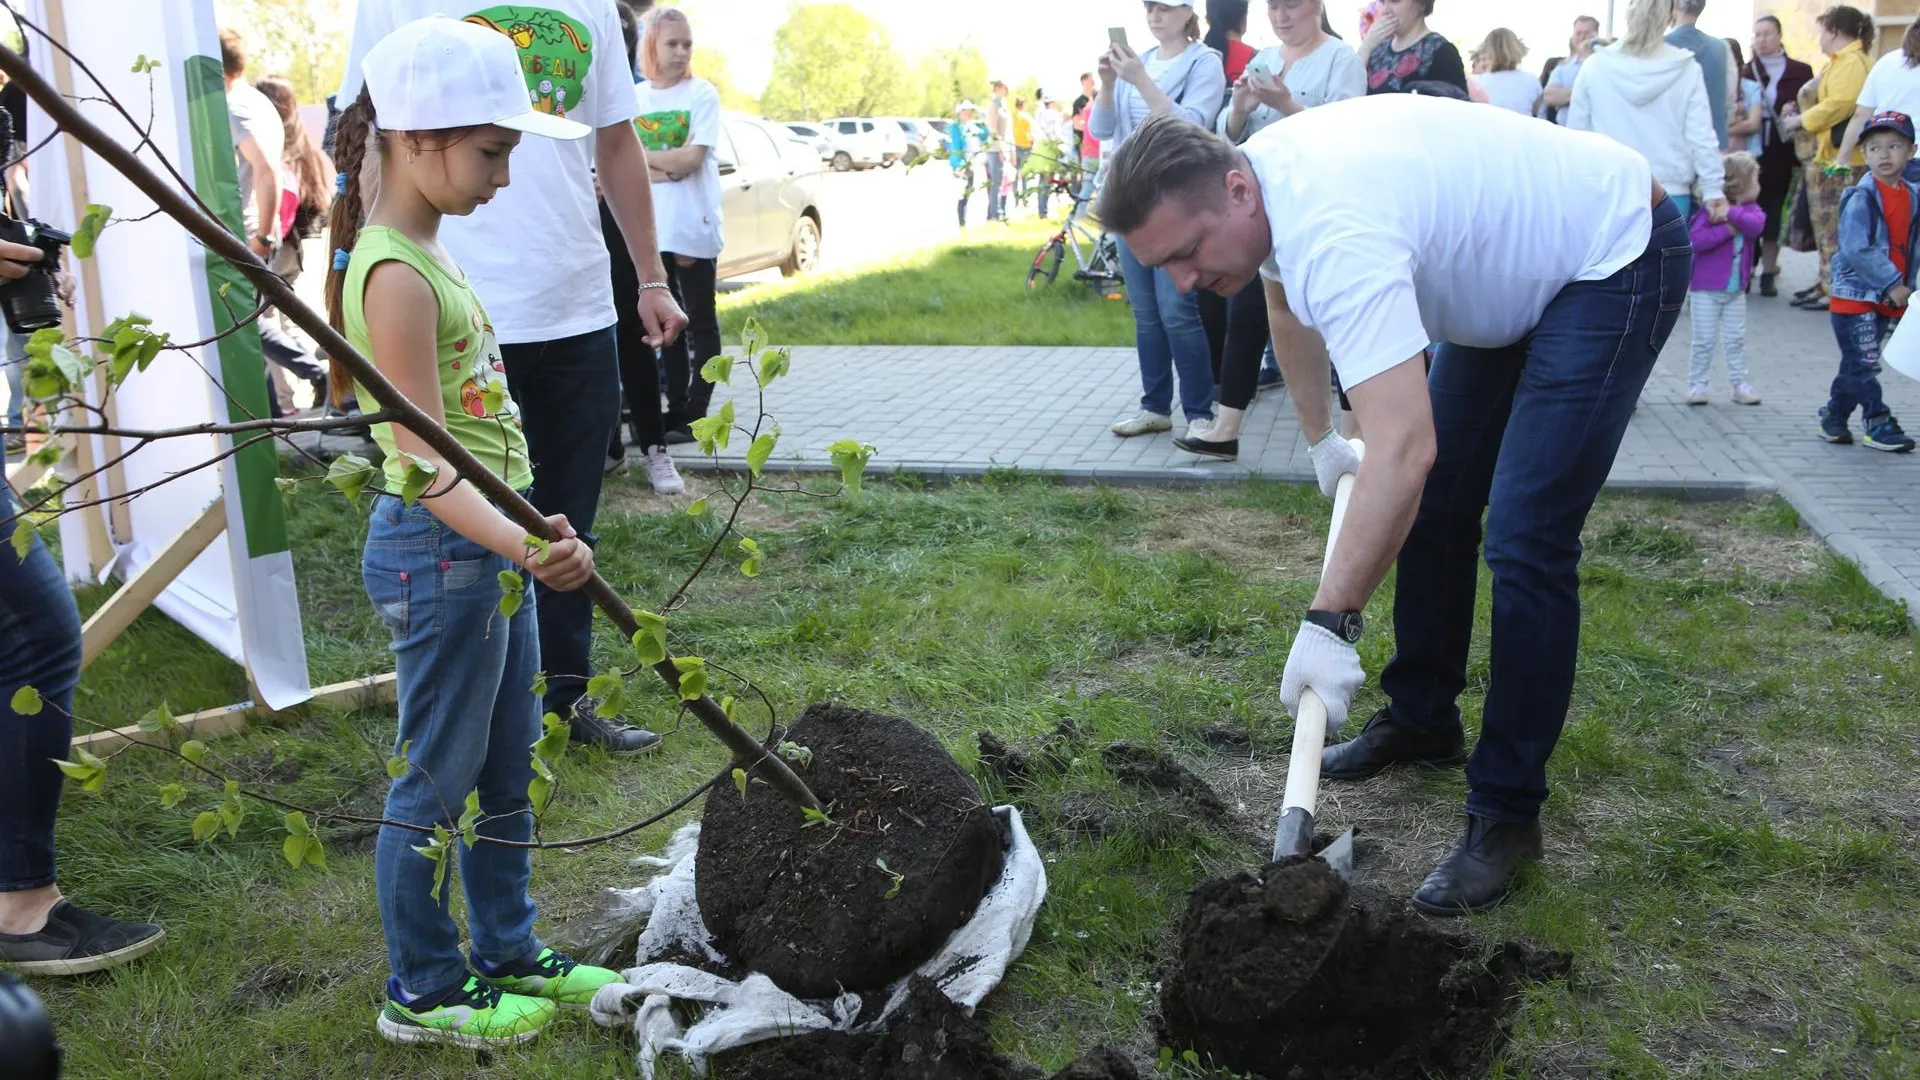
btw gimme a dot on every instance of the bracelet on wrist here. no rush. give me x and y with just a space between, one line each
645 285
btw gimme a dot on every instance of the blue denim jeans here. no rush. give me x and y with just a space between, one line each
1857 385
569 397
1168 335
1526 434
39 647
996 171
464 678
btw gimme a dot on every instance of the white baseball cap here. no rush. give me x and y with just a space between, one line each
438 73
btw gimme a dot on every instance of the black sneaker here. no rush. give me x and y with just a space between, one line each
680 436
1834 429
1767 287
1883 433
75 941
614 736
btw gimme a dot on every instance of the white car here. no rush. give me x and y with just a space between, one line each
769 198
869 141
825 143
922 140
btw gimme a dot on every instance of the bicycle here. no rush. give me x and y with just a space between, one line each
1096 256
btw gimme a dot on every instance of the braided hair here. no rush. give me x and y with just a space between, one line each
350 144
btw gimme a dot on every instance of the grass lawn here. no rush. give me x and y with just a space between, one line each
968 291
1732 839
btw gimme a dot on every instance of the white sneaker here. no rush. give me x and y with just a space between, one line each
1142 423
661 473
1697 396
1744 394
1201 428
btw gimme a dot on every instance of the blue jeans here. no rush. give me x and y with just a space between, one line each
1857 385
1526 434
1168 335
996 169
464 673
14 359
569 397
39 647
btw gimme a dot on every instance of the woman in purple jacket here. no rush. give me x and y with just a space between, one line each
1722 273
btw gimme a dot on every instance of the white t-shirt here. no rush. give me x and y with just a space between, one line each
1514 91
1382 253
534 254
686 212
251 114
1892 86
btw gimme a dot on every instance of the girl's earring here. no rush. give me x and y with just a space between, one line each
412 156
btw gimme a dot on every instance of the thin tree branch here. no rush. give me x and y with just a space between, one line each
282 426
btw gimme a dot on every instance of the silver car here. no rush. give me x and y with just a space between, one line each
769 196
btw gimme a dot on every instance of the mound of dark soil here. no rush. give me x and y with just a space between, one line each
1152 767
1396 997
808 906
929 1038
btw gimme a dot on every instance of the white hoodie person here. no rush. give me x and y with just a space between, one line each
1656 103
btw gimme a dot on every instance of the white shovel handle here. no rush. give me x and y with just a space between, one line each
1310 727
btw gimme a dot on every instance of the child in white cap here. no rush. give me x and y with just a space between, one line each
443 107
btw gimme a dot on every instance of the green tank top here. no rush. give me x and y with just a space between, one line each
469 360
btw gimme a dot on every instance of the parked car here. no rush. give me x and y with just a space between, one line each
938 126
769 196
870 141
922 141
825 143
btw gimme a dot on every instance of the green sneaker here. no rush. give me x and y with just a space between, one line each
476 1015
554 976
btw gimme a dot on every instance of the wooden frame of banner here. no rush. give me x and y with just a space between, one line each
232 719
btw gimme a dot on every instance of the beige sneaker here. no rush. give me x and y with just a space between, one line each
661 473
1142 423
1697 396
1744 394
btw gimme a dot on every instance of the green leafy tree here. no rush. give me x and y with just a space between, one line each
711 65
949 76
305 40
834 60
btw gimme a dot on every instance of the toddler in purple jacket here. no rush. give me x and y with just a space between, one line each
1722 270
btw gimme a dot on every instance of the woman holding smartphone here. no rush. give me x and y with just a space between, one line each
1309 67
1178 75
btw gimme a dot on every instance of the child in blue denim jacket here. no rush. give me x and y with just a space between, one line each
1873 278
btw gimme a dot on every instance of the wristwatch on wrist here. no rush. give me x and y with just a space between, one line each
1345 625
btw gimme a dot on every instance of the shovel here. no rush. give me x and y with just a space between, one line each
1293 834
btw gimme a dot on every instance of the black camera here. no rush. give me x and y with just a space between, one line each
30 303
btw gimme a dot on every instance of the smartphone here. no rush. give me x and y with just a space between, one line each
1117 35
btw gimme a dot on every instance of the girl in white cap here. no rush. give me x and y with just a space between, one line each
443 107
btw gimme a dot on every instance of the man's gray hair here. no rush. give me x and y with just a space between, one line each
1690 7
1166 156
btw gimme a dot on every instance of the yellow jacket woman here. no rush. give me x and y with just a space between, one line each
1839 92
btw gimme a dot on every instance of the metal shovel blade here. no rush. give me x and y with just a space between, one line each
1293 835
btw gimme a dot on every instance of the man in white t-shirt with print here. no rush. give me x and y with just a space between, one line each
1553 268
536 258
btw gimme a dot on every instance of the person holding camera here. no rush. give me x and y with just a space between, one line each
41 933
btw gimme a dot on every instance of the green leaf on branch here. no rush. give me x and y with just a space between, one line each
850 457
193 750
540 548
302 849
286 485
650 641
416 478
814 816
493 400
762 449
797 754
49 454
712 432
296 823
751 567
205 825
740 781
469 818
752 337
552 744
898 879
693 677
26 701
610 691
540 794
351 474
161 721
232 811
22 543
539 687
513 592
773 364
398 764
699 507
52 368
88 231
133 344
171 795
717 370
89 772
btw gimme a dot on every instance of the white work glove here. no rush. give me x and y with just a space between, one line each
1322 660
1332 457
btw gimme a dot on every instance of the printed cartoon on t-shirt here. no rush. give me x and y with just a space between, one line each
664 130
555 53
479 354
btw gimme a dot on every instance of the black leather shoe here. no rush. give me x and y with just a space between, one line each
1476 875
1224 449
1385 741
613 735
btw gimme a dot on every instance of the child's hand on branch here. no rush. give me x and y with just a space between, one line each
568 562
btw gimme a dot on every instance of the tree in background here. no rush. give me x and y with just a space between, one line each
949 76
711 65
1797 27
832 60
305 40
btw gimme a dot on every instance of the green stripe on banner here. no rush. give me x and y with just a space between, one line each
242 370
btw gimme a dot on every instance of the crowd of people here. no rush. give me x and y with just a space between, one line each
1757 153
